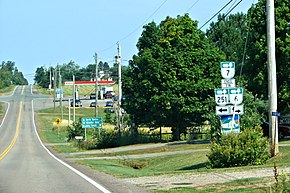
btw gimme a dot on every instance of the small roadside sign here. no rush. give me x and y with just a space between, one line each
79 137
228 69
230 123
58 121
70 83
228 83
222 110
276 114
92 122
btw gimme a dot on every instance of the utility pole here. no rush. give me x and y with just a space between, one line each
74 100
272 80
96 85
54 87
119 113
49 80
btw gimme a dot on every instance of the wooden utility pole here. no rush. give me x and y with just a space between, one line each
96 85
119 113
272 80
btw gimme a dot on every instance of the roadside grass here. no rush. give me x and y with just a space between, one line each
1 110
151 166
167 148
6 90
83 90
257 185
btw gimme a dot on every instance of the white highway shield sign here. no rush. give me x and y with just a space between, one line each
236 95
228 70
221 96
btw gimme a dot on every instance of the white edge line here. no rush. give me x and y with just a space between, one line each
8 106
5 113
97 185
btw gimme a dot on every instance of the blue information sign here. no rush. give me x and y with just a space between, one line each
92 122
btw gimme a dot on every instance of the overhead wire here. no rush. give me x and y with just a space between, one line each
246 42
192 5
216 14
137 28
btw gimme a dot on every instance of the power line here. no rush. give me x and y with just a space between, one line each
216 14
192 6
246 42
141 25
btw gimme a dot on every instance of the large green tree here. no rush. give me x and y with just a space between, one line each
171 80
255 70
229 34
9 74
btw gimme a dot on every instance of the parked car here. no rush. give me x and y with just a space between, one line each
93 104
283 130
93 96
78 103
109 109
116 98
109 94
109 104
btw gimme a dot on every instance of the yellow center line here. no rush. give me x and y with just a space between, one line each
6 151
22 90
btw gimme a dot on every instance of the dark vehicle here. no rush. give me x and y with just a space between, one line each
93 104
93 96
109 94
109 109
116 98
283 130
109 104
78 103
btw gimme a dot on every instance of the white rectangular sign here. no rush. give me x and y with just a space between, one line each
68 83
228 83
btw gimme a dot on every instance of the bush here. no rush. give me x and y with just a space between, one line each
245 148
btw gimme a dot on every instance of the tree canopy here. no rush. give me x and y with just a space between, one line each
9 74
171 80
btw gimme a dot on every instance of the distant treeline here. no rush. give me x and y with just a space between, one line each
10 75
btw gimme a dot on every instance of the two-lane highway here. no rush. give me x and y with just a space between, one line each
25 165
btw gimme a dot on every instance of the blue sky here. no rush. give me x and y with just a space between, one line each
36 33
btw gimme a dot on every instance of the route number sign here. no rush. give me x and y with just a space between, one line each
221 96
225 96
228 70
236 95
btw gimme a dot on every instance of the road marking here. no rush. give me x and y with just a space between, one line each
22 90
85 177
6 151
5 112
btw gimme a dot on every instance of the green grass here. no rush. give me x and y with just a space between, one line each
153 166
255 185
169 148
83 90
6 90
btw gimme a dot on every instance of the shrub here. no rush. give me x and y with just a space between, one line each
245 148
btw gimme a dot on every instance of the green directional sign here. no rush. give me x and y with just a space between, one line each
92 122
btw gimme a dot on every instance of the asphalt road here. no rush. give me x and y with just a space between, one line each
25 164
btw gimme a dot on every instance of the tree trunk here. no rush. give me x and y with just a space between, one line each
175 133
